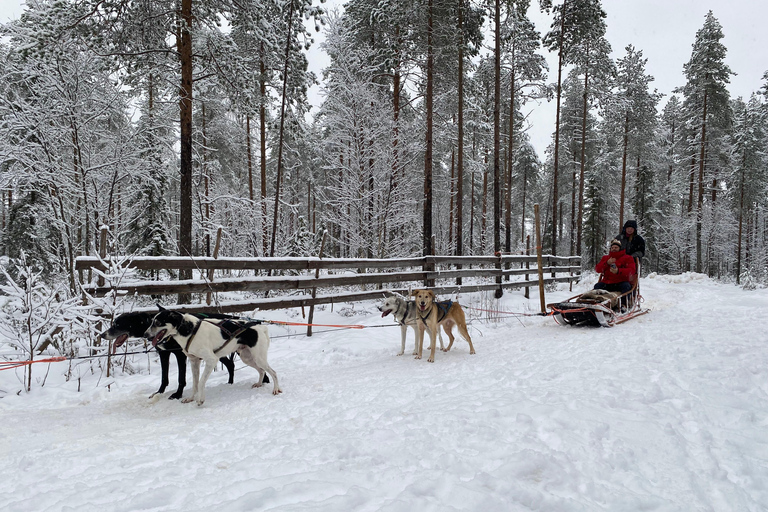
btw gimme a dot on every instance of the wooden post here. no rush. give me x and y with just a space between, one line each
429 264
102 252
314 290
527 265
538 259
210 271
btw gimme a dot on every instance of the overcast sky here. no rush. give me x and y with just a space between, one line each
663 29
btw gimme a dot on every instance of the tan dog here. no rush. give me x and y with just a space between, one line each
432 318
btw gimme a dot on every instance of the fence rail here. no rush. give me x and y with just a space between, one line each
447 269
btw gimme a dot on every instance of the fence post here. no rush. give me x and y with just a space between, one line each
210 270
527 294
314 290
538 259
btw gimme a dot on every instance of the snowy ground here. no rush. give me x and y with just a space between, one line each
668 412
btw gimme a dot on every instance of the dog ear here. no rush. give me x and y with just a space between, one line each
414 292
161 308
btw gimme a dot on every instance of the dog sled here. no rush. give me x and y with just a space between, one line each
600 307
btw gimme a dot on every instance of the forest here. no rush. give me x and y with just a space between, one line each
167 120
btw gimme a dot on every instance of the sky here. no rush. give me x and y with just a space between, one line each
663 29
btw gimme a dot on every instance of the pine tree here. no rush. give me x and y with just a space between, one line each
706 104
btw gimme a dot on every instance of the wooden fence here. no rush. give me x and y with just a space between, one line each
343 279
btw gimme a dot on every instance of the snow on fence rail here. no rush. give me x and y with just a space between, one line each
483 269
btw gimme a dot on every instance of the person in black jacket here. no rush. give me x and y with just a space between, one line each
631 242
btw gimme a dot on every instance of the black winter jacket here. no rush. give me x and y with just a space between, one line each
634 246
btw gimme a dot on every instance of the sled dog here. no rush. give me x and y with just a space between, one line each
134 324
404 312
432 315
203 340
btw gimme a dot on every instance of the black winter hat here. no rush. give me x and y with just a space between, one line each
631 224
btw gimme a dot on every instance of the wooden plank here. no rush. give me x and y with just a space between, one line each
206 263
307 300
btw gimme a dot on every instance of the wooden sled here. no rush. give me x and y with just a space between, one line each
606 309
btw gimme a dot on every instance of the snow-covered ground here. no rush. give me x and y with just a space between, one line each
667 412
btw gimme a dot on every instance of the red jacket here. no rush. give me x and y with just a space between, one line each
625 264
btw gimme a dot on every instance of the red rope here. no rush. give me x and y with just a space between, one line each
8 365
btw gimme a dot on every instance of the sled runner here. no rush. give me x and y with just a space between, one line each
600 307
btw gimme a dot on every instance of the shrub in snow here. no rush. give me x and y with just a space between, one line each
749 281
33 316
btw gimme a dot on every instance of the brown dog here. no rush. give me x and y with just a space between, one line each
431 318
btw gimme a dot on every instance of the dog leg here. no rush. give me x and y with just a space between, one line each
165 357
419 341
181 363
432 344
448 328
403 331
210 364
257 358
229 364
195 378
465 333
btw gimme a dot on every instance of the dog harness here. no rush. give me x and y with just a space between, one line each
405 315
233 335
442 310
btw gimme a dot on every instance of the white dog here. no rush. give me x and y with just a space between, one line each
202 340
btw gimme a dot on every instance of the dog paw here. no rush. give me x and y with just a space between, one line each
175 396
187 400
431 359
277 391
257 385
401 353
472 351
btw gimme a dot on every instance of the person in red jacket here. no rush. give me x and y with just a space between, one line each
615 268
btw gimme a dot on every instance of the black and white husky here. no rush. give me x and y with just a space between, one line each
405 313
202 340
135 324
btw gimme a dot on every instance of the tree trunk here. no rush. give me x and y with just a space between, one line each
427 214
510 157
580 219
497 131
560 52
281 135
700 202
263 147
460 148
624 171
185 152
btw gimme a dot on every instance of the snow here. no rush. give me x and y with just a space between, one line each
667 412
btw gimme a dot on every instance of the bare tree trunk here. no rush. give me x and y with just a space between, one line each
249 154
427 217
580 219
510 157
453 196
557 127
185 153
263 148
700 202
460 149
282 128
624 171
497 131
207 183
